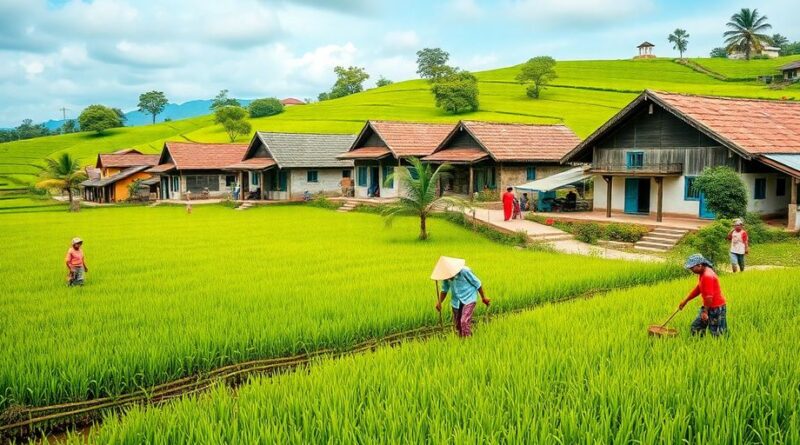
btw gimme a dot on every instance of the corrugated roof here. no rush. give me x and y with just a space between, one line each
557 181
457 155
406 139
523 142
366 153
114 178
306 150
190 156
790 66
124 159
789 163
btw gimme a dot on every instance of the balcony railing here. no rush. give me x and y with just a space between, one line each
640 170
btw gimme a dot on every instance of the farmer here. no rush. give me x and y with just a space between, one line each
508 203
740 245
76 263
464 286
713 313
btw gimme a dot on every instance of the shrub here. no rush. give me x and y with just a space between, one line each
269 106
322 201
488 196
759 232
588 233
724 192
98 118
629 233
711 241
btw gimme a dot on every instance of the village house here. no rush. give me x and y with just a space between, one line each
113 174
488 155
770 52
194 171
791 71
647 156
291 101
382 146
282 166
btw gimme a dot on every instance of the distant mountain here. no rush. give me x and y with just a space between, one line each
171 111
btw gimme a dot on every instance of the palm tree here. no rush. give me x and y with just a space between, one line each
63 173
747 32
420 193
680 38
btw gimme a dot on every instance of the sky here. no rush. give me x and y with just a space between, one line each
74 53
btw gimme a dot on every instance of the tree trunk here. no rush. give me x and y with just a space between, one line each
154 118
71 202
423 232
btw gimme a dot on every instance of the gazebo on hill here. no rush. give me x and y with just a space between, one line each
645 51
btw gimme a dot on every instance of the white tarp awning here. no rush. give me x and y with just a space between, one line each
557 181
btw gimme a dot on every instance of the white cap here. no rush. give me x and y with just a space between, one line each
77 240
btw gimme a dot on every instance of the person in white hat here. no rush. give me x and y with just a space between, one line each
740 245
464 286
76 263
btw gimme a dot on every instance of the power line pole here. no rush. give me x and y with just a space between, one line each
64 117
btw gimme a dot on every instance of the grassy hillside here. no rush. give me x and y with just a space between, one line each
585 94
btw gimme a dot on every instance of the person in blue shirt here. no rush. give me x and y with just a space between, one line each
464 287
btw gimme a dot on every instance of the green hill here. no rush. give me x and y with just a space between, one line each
585 94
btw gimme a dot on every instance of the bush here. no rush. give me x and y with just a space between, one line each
98 118
588 233
628 233
711 241
724 191
269 106
759 232
322 201
488 196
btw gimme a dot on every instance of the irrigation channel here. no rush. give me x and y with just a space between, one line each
29 423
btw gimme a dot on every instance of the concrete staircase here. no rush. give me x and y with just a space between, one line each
244 206
661 239
347 206
550 237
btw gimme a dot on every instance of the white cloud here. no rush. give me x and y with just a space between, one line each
465 8
32 67
401 41
572 13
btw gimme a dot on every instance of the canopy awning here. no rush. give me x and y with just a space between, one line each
557 181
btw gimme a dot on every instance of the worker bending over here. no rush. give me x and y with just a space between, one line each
464 287
713 313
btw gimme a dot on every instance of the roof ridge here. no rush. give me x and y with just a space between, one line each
313 133
728 98
412 122
521 124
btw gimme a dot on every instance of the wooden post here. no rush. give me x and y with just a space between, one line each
609 183
660 182
261 184
471 182
791 222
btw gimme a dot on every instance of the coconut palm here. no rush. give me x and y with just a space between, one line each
680 40
420 193
63 173
746 32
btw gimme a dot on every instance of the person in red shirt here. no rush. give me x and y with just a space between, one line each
713 312
740 245
508 203
76 263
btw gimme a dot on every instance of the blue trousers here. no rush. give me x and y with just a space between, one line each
717 322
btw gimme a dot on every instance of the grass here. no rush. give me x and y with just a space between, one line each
579 372
744 69
584 96
785 254
170 294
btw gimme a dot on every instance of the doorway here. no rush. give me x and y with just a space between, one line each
374 190
704 212
637 196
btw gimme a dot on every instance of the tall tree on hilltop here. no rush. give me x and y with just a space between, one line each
746 32
63 173
153 103
349 81
222 100
680 40
99 118
457 92
537 72
432 63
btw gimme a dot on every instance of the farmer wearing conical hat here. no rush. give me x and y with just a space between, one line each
464 287
76 263
713 313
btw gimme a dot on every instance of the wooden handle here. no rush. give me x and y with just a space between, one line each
670 317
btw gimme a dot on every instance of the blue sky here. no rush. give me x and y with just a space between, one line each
73 53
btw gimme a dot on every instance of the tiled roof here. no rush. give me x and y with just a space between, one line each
161 168
411 138
126 151
523 142
366 153
753 126
306 150
457 155
292 101
114 178
790 66
645 43
125 159
189 156
93 173
252 164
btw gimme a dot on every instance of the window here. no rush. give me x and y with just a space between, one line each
635 159
176 183
690 193
254 177
531 174
230 181
780 187
362 176
761 188
346 173
280 181
312 176
388 170
413 173
199 183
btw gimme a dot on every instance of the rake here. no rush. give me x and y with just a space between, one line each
663 330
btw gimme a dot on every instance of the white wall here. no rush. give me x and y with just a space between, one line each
771 203
329 181
362 192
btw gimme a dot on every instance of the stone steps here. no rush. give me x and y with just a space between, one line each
244 206
348 206
662 239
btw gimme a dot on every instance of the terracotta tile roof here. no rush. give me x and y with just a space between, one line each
101 182
252 164
457 155
292 101
126 159
751 125
366 153
161 168
126 151
190 156
411 138
523 142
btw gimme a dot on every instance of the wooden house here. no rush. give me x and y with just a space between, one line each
791 71
381 146
114 173
189 170
647 156
282 166
490 156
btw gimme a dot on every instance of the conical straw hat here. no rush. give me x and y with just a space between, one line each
447 268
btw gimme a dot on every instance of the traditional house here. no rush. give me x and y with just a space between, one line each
113 174
791 71
197 169
647 156
383 145
283 166
770 52
489 155
291 101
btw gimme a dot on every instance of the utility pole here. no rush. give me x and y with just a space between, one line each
64 117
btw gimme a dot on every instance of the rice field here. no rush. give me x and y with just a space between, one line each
577 372
170 294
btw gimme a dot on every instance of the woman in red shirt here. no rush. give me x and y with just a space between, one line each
508 203
713 313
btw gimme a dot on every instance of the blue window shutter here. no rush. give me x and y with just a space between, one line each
689 193
362 176
531 174
760 188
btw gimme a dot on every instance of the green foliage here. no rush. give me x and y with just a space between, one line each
588 232
680 40
719 52
627 233
269 106
724 192
432 63
133 190
382 82
711 241
779 40
234 120
98 118
537 73
790 49
69 126
222 100
456 93
63 173
153 103
322 201
758 232
488 195
746 32
348 81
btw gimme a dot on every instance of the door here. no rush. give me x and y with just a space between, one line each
374 182
704 212
637 195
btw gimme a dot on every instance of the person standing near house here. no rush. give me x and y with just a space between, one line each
508 203
524 202
713 312
464 287
76 263
740 245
